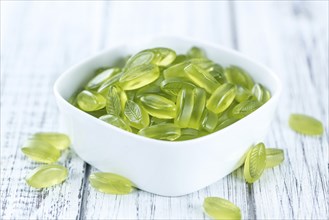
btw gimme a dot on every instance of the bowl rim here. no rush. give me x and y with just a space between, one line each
270 73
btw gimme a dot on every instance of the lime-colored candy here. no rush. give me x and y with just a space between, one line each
243 94
113 102
217 71
225 123
116 121
222 98
58 140
142 58
274 157
239 77
255 163
40 151
163 56
111 183
47 176
185 104
136 115
261 93
219 208
196 52
167 131
201 78
188 134
198 108
100 78
158 106
172 86
209 121
112 80
305 124
176 71
179 59
139 76
244 108
90 101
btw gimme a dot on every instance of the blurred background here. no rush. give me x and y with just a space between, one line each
41 39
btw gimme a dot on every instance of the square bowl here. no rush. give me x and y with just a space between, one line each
163 167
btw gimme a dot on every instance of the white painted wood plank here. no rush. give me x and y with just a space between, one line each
292 38
39 41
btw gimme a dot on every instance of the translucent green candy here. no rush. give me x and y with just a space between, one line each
242 94
41 151
113 102
142 58
261 93
209 121
111 183
222 98
90 101
201 78
196 52
274 157
158 106
163 56
172 86
305 124
112 80
244 108
198 108
58 140
167 131
100 78
136 115
219 208
139 76
185 104
157 87
47 176
238 76
255 163
116 121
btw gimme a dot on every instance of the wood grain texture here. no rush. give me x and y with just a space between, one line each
39 40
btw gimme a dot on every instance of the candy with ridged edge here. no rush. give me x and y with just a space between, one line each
172 86
166 131
261 93
201 78
136 115
209 120
139 76
158 106
185 104
244 108
116 121
100 78
221 98
113 80
255 163
198 108
113 102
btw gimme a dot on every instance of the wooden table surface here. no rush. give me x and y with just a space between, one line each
40 40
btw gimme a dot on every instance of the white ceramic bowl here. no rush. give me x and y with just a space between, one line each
163 167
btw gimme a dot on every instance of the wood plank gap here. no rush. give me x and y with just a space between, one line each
81 213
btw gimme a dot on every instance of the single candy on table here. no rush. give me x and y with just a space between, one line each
40 151
57 140
219 208
255 163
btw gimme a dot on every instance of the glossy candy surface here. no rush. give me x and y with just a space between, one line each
305 124
58 140
111 183
255 163
161 95
274 157
90 101
46 176
40 151
219 208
